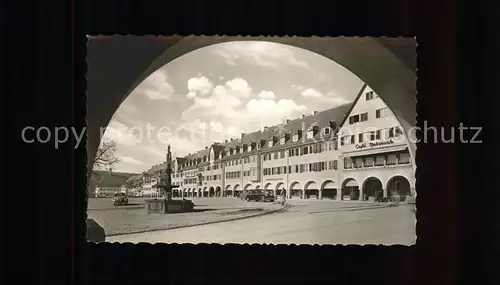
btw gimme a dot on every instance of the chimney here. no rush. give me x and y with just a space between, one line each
288 121
315 112
225 141
303 116
242 135
266 128
110 170
206 147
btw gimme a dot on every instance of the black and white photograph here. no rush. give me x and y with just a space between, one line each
251 140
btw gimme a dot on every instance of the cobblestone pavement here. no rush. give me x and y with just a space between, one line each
305 222
134 218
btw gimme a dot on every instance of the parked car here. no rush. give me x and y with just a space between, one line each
257 195
120 199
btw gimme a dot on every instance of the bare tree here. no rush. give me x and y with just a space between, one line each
106 155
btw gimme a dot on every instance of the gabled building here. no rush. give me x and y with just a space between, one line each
374 151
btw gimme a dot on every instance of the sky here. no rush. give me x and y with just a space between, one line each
220 91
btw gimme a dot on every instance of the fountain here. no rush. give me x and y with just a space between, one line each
167 204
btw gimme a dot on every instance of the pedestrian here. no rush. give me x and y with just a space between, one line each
283 197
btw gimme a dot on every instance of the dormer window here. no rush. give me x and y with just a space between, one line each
270 143
258 146
249 148
310 134
327 131
282 140
241 149
228 152
295 138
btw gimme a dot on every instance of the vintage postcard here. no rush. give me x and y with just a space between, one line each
268 140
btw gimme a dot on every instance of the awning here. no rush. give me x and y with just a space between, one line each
375 151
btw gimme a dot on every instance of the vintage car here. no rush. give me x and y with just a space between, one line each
120 199
257 195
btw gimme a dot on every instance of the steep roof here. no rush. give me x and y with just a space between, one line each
113 179
327 118
353 104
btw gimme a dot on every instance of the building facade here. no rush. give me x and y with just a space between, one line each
109 182
344 153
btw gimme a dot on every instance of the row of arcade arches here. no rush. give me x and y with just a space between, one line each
351 189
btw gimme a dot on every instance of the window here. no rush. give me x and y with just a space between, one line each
377 135
310 134
392 159
258 146
369 162
297 152
301 168
305 150
335 164
383 112
360 138
353 139
241 150
398 131
282 141
379 160
364 117
369 95
276 155
372 136
335 145
391 133
249 148
270 143
295 138
354 119
358 162
404 158
282 154
326 131
347 163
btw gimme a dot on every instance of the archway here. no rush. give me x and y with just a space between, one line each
350 189
237 190
211 192
398 187
200 193
370 186
228 191
218 191
268 189
247 187
280 186
328 190
295 190
143 55
204 193
311 190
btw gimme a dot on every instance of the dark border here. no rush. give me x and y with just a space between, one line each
453 226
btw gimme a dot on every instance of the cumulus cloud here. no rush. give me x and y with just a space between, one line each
331 97
200 85
269 95
155 87
227 115
239 87
265 54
